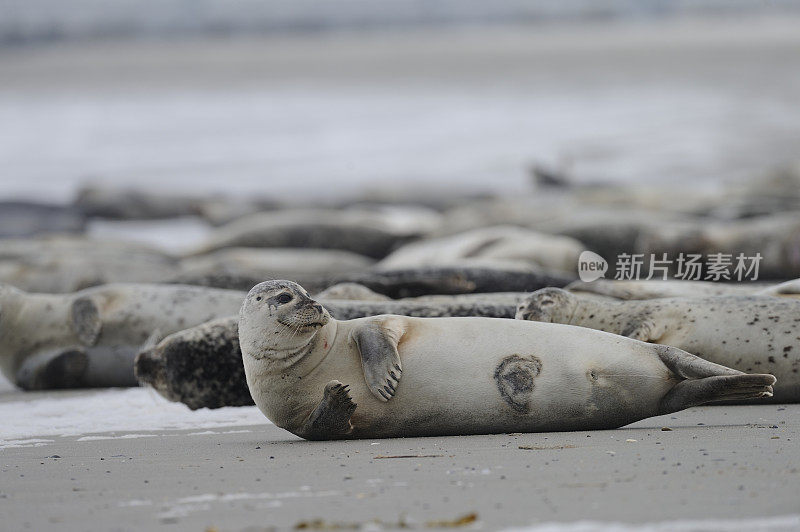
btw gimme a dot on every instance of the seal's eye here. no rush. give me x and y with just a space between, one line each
284 298
258 298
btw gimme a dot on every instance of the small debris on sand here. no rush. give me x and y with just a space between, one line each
545 447
382 457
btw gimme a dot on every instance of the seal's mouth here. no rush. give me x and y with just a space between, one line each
303 325
306 315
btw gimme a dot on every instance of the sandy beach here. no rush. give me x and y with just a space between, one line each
734 463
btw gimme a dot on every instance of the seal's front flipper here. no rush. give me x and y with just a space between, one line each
85 318
377 343
331 419
693 392
643 329
53 370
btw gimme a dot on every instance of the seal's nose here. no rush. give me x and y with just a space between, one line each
318 307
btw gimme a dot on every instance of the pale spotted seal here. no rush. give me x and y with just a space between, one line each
90 338
749 333
394 376
656 288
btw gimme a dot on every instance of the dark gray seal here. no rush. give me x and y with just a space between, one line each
200 366
20 219
450 280
322 229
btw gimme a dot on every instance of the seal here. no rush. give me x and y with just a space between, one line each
358 232
502 243
200 367
395 376
790 289
90 338
61 264
454 279
241 268
20 219
655 289
749 333
351 292
775 237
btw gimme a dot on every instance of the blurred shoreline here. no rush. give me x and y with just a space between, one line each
698 101
26 22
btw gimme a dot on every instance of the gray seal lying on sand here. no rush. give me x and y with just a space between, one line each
453 279
202 366
362 233
19 219
395 376
351 291
61 264
90 338
655 289
549 252
790 289
749 333
775 237
242 268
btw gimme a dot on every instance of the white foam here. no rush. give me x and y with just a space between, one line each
128 411
761 524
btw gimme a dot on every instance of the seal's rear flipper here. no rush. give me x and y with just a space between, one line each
331 419
690 366
54 370
693 392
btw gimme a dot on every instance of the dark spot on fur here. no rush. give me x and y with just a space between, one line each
514 377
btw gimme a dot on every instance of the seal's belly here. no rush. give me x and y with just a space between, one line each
462 377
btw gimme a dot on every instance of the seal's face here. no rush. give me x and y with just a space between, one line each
279 316
551 305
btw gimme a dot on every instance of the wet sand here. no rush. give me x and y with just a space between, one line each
733 462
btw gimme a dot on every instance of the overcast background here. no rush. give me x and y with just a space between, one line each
278 98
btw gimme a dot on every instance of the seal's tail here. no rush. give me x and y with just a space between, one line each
706 382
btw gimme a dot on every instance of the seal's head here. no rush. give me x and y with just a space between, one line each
278 317
551 305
